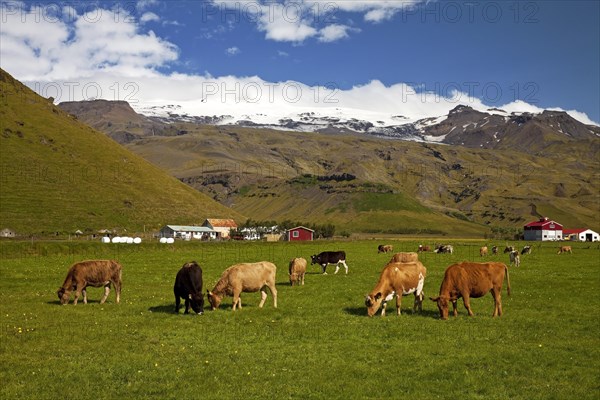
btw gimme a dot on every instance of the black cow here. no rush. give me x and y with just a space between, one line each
330 257
526 250
188 286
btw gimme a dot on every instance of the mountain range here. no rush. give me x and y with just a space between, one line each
461 173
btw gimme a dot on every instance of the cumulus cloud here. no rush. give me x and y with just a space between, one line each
334 32
148 17
100 39
232 51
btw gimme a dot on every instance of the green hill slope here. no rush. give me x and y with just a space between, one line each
59 175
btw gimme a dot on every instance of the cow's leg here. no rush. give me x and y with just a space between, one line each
383 305
274 292
177 303
77 294
467 303
496 293
106 292
455 308
337 267
84 292
117 291
399 304
324 269
345 266
187 305
303 279
263 297
236 298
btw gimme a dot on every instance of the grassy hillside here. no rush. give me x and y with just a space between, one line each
59 175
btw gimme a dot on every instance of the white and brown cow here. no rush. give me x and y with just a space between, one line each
514 258
397 280
297 269
95 273
385 248
472 280
247 278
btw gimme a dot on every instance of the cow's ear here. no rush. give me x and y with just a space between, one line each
378 296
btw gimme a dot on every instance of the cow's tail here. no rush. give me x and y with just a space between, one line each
507 280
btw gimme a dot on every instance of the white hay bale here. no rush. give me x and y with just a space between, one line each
105 239
116 239
137 240
170 240
163 240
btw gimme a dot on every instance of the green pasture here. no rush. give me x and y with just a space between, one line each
319 343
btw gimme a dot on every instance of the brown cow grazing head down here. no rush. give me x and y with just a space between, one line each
297 269
247 278
95 273
396 280
471 280
565 249
385 248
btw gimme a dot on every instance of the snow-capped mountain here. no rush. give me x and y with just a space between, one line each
462 125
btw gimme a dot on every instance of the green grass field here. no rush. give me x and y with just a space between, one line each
318 344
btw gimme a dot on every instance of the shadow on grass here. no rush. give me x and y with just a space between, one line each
80 301
165 309
391 312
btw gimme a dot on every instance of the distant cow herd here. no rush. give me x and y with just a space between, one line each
403 275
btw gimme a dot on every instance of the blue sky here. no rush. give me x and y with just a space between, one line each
543 53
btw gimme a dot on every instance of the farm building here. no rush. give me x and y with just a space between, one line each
222 227
187 232
299 233
543 230
582 235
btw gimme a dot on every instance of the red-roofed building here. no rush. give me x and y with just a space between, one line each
299 233
542 230
582 235
222 227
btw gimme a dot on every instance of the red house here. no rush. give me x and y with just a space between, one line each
544 229
299 233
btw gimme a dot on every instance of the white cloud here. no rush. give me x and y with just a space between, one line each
146 4
334 32
233 51
149 16
98 40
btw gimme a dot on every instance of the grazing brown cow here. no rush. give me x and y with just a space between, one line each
469 279
385 248
95 273
247 278
565 249
297 270
483 251
397 280
423 248
404 257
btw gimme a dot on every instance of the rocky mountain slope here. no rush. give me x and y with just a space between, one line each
496 171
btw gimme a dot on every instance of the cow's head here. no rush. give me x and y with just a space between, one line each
213 299
197 302
442 303
293 278
63 295
373 302
314 259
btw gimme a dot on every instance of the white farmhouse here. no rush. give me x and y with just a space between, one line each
582 235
